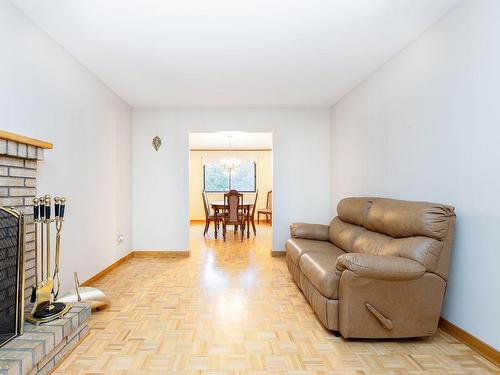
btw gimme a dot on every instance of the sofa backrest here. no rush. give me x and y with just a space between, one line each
421 231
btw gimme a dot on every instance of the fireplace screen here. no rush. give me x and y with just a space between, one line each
11 274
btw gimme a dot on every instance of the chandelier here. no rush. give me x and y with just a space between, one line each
230 163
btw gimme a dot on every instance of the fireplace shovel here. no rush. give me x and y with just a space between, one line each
93 296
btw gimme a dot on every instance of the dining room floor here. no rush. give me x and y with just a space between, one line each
231 308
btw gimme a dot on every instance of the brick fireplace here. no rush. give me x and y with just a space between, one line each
18 171
40 348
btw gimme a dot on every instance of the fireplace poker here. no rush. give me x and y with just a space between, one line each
59 205
42 252
36 208
47 227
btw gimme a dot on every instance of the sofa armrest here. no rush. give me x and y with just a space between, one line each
380 266
309 231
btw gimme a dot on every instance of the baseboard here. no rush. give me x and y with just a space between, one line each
161 254
474 343
277 253
105 271
137 254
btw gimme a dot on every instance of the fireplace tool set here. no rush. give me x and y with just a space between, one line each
47 284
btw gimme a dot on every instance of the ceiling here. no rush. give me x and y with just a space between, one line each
233 53
224 139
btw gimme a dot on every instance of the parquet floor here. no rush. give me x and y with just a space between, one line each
233 309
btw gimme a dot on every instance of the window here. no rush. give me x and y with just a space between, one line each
216 179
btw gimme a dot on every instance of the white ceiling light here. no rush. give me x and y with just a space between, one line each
230 163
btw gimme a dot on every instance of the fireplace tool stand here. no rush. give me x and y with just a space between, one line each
45 291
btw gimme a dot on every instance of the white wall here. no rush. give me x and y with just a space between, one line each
263 175
301 164
426 127
45 93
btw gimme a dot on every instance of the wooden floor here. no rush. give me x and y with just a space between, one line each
233 309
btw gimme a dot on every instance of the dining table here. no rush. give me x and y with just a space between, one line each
221 206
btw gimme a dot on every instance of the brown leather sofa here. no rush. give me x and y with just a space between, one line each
379 270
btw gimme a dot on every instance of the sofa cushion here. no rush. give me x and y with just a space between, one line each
397 218
354 210
343 234
321 271
296 247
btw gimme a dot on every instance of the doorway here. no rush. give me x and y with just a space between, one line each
222 161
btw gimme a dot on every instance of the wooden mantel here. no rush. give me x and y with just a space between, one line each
26 140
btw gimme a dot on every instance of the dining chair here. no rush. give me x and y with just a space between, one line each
252 215
233 215
208 216
268 211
